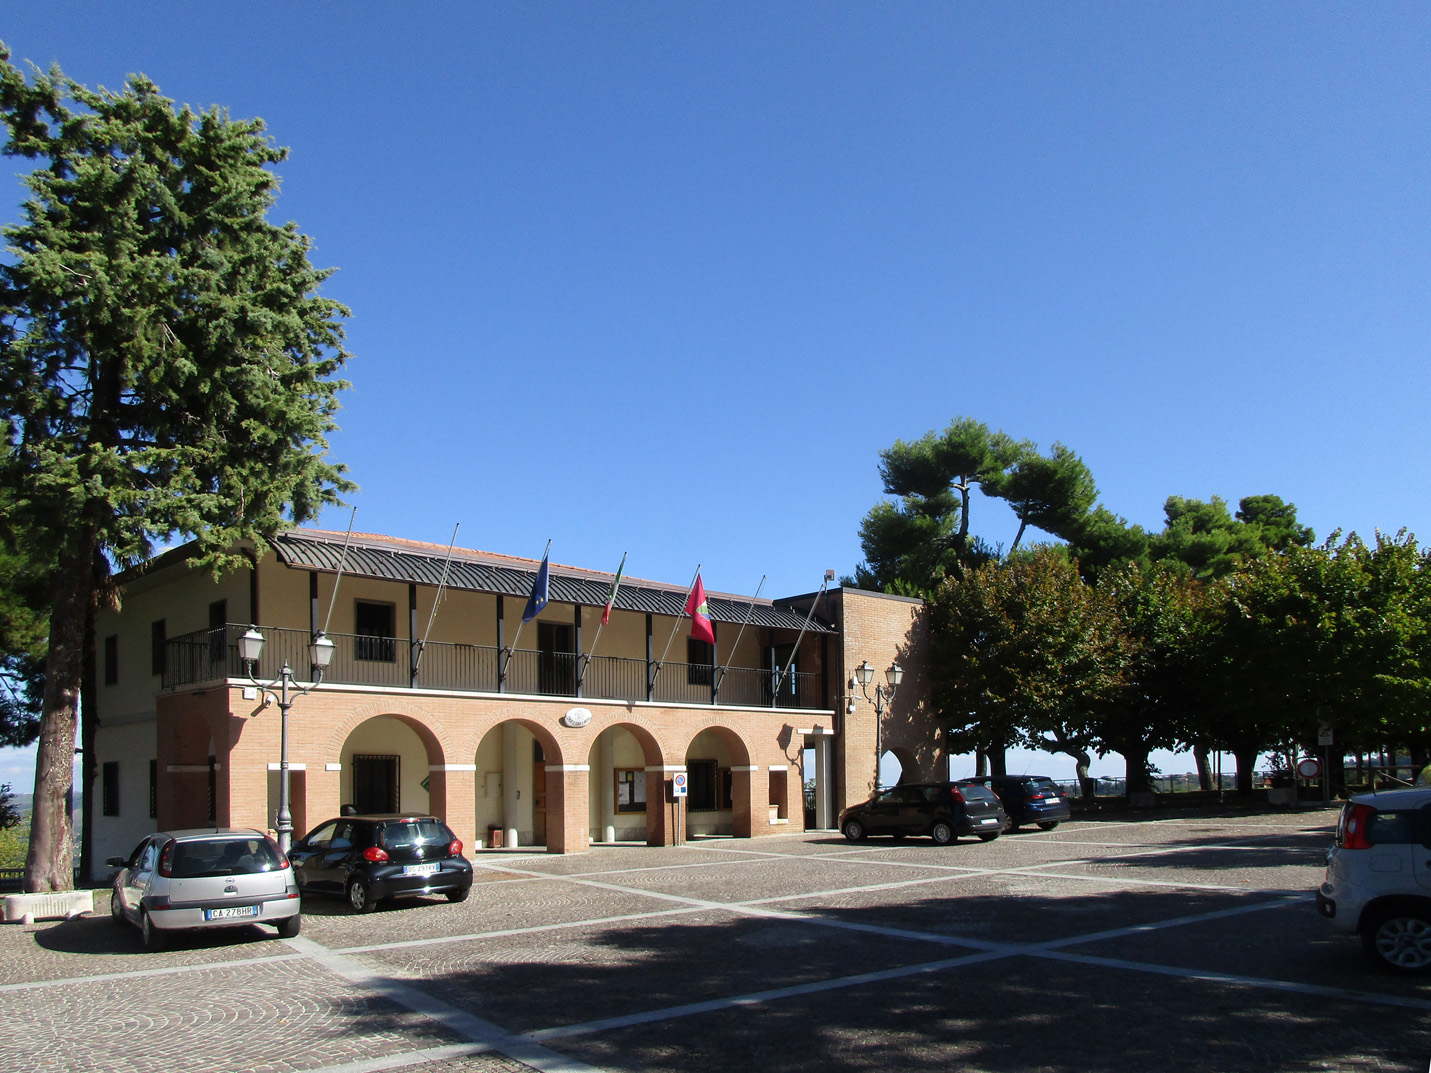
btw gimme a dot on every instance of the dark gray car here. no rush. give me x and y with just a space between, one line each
941 810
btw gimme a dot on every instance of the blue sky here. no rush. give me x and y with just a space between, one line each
664 278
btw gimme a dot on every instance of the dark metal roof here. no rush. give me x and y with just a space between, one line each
391 559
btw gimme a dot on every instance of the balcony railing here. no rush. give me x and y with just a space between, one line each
212 655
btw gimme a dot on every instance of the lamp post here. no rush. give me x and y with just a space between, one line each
864 675
320 655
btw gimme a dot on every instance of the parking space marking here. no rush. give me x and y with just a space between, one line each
506 933
475 1028
1376 998
133 974
756 997
408 1059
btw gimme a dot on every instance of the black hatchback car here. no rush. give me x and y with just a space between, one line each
941 810
370 858
1028 799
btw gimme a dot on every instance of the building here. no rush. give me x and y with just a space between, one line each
513 734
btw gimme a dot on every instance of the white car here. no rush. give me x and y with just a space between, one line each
206 878
1379 876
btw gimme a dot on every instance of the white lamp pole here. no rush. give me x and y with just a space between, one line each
320 655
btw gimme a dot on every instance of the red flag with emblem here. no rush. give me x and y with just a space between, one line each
700 614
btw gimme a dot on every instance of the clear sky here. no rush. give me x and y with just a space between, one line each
664 278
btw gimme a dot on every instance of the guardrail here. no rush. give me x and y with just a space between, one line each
212 655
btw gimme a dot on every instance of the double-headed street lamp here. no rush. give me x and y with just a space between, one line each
864 675
320 655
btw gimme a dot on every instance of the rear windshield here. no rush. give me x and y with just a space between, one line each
1041 786
224 857
974 792
416 833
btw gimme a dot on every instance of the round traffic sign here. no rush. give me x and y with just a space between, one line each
1309 767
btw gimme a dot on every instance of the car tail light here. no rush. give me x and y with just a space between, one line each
454 848
166 859
376 854
1037 797
958 797
283 861
158 903
1352 832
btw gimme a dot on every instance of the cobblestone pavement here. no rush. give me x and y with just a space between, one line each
1161 944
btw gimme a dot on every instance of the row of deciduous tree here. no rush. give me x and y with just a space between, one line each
1222 631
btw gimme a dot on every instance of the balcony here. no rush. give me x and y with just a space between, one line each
387 662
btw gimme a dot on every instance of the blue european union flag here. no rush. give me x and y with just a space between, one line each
538 599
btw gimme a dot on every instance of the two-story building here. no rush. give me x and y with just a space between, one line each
514 734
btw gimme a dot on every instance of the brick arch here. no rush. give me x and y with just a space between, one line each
429 729
909 767
734 740
645 735
551 747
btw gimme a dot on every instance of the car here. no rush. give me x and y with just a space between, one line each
204 878
1027 799
1378 881
368 859
941 810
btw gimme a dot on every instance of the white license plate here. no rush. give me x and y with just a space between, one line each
990 819
230 912
421 869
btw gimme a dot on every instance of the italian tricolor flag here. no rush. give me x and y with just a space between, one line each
611 596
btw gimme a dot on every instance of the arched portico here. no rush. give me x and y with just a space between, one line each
627 785
523 790
724 795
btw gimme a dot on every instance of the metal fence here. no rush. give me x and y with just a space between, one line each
213 655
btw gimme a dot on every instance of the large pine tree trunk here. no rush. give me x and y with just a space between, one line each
49 865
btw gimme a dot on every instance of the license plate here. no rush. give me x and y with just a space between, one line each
421 869
230 912
990 819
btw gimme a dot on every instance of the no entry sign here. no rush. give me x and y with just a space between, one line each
678 784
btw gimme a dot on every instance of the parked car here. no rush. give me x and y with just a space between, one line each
1027 799
941 810
205 878
1378 881
371 858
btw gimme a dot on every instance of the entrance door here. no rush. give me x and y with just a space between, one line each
556 660
375 783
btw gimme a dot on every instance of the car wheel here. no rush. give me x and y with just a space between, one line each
854 830
1012 826
989 837
458 895
1048 825
289 927
360 896
942 833
153 937
1400 939
116 908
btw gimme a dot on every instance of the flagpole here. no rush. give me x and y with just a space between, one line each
750 610
675 626
511 649
585 660
795 648
342 559
442 584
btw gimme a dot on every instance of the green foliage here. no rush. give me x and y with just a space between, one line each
1025 652
14 842
9 814
923 536
167 365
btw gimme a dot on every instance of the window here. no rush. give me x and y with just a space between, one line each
727 788
375 625
699 657
109 787
157 637
375 783
111 660
556 659
701 781
630 790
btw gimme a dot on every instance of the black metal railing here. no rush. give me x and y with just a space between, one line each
392 662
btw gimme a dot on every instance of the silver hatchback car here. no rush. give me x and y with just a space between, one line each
205 878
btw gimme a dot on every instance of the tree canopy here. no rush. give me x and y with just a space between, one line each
167 365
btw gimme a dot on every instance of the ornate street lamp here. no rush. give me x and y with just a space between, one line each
320 655
864 675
